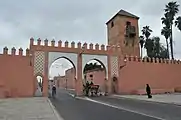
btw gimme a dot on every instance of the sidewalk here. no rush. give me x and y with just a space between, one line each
37 108
165 98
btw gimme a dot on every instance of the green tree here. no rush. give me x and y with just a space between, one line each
92 66
166 31
149 46
142 41
159 50
146 31
178 23
171 9
163 52
155 49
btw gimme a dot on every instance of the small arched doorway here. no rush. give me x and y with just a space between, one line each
114 85
38 86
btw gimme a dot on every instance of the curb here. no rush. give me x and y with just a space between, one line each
54 110
172 103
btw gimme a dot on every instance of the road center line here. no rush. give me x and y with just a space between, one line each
120 108
117 107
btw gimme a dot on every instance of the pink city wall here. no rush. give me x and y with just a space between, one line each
16 79
162 77
69 76
98 78
60 81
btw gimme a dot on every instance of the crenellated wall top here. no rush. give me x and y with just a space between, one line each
14 51
150 60
72 45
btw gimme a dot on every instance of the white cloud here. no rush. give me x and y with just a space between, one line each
78 20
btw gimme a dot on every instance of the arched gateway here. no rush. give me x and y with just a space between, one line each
43 55
123 39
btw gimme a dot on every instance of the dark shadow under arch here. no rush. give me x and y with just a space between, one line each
66 59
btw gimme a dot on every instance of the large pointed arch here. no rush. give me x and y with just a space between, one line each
71 57
102 59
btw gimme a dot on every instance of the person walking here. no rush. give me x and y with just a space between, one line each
54 91
148 91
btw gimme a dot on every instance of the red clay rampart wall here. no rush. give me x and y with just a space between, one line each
60 81
16 74
162 75
70 76
98 78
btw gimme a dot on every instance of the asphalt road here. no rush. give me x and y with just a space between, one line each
161 110
71 108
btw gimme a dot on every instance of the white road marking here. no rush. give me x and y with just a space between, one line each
74 96
71 89
121 108
71 94
117 107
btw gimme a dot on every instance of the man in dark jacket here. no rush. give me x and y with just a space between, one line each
54 89
148 91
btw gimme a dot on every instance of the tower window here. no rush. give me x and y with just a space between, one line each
128 23
112 24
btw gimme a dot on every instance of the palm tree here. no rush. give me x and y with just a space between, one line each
170 11
149 46
165 20
142 41
163 52
178 23
146 31
157 47
166 31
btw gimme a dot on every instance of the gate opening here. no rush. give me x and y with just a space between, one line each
39 86
62 74
94 72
